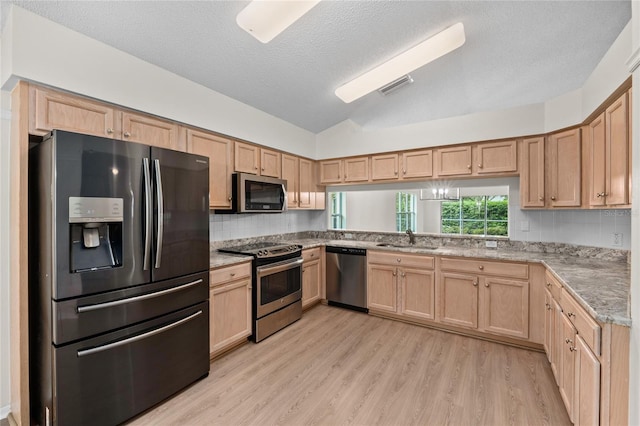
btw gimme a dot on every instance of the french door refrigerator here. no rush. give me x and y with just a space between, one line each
118 265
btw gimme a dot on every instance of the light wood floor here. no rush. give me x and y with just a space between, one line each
338 367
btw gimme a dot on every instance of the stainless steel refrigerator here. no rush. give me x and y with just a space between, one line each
118 287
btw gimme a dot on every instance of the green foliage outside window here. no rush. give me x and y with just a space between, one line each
478 215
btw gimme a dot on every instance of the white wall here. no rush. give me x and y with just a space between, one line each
371 213
232 226
42 51
348 138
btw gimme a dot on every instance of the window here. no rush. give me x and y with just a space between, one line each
405 212
338 209
476 215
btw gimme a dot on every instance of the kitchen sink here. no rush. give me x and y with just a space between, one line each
406 246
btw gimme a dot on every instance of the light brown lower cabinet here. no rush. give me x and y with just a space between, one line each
496 305
230 307
312 267
401 284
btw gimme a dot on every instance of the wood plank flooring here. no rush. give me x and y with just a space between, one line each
339 367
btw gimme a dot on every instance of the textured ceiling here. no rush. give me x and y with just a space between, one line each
516 53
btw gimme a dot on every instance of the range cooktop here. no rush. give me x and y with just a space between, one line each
263 250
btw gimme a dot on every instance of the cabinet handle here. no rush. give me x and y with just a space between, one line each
127 134
263 169
233 274
393 273
599 194
256 168
553 198
468 166
486 284
395 173
572 348
481 267
549 285
571 314
475 283
399 260
230 198
540 198
479 166
404 172
403 275
303 270
109 131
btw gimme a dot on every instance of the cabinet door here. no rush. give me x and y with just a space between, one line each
557 348
247 158
290 172
505 307
417 293
532 173
567 382
382 288
230 320
617 154
417 164
597 160
496 157
150 131
549 324
384 167
565 169
220 151
53 110
310 282
587 385
458 299
307 185
356 169
331 171
270 163
454 161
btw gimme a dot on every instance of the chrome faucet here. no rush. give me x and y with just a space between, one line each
412 236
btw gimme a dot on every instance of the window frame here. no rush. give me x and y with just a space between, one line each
338 210
408 217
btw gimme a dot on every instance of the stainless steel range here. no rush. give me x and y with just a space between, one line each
277 285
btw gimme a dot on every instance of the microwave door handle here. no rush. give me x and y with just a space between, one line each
147 214
284 198
160 228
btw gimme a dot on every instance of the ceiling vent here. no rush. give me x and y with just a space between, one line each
395 85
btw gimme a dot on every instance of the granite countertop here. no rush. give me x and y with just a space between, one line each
601 287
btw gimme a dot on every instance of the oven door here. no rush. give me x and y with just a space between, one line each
278 285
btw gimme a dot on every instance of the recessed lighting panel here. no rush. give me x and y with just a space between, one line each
265 19
406 62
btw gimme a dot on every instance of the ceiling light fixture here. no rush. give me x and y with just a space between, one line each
265 19
406 62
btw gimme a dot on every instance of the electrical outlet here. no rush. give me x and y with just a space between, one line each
524 226
617 240
491 244
348 236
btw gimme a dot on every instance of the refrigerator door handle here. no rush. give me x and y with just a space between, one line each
147 214
160 213
115 344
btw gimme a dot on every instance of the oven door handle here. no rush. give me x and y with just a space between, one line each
274 268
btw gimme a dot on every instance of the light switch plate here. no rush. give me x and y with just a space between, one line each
617 240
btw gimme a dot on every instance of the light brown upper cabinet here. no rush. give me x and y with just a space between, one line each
609 156
53 110
150 130
258 161
417 164
331 171
270 163
307 187
220 153
495 157
356 169
290 173
452 161
384 167
532 172
564 169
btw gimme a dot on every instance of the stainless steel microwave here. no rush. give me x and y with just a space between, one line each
257 194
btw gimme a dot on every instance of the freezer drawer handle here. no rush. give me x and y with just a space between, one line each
159 193
97 306
136 338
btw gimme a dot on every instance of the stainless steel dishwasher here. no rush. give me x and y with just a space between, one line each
347 277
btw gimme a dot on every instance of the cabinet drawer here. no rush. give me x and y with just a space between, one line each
311 254
587 327
229 273
553 285
504 269
401 259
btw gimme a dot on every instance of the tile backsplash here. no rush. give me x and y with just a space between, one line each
234 226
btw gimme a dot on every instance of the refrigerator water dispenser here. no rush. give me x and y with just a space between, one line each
96 233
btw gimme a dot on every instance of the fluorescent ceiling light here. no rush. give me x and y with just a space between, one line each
265 19
406 62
